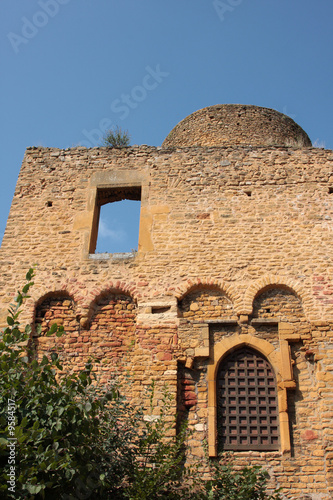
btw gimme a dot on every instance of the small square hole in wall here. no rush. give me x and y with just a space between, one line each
160 309
248 193
330 190
49 203
116 220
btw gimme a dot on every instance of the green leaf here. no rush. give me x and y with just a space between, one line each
49 409
58 425
24 422
44 361
30 274
53 328
10 320
34 488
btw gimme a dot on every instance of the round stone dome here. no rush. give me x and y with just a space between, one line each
236 124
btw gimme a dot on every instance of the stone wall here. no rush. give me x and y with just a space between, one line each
235 249
259 213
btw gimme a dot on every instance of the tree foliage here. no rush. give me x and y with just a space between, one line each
231 483
56 418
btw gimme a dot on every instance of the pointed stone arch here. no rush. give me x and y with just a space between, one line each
273 356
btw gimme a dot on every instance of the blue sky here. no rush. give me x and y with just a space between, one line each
71 68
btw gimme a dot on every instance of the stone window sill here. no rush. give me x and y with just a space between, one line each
112 256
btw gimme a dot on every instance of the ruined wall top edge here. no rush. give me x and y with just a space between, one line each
237 124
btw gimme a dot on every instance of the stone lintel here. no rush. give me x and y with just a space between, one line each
227 321
265 321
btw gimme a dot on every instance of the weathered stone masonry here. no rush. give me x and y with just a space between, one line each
234 263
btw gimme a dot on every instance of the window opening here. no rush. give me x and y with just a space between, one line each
116 221
247 410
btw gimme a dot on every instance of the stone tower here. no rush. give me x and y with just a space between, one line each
229 297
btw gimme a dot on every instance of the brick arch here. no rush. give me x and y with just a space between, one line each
70 288
98 294
111 326
112 287
57 306
269 282
192 285
56 292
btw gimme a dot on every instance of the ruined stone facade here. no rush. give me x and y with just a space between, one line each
229 299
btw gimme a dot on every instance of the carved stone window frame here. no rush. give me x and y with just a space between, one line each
280 360
111 183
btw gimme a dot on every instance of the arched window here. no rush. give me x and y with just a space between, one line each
247 408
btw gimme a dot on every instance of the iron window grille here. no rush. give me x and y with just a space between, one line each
247 410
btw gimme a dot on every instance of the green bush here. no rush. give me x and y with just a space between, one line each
229 483
158 471
55 421
116 138
74 439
